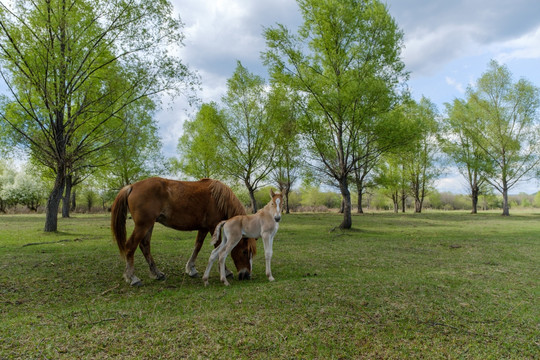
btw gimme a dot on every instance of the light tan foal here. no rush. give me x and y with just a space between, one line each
264 223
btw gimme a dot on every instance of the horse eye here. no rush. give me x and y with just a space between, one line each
245 252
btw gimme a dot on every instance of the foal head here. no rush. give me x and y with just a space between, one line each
276 205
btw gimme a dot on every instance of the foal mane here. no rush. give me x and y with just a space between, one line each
226 201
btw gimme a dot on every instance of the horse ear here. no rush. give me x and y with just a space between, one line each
272 193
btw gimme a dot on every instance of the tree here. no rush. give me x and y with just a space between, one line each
504 125
22 187
198 147
420 157
247 135
345 62
7 178
389 176
284 115
458 143
72 67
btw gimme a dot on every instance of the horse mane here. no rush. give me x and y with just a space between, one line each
226 201
229 205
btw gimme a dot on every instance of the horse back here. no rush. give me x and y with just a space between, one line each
182 205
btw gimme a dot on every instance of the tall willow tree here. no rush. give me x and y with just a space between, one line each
246 131
72 67
345 62
504 123
457 141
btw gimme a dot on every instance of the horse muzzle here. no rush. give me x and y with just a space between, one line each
244 275
277 218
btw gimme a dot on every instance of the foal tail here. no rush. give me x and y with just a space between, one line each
216 237
118 218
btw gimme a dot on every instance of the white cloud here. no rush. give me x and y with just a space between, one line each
455 84
523 47
440 31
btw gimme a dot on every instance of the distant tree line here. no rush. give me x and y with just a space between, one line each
22 191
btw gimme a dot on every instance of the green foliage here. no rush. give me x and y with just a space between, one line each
198 148
136 154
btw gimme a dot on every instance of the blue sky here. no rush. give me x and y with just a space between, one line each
448 45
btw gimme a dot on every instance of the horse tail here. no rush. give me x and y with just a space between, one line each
216 237
118 218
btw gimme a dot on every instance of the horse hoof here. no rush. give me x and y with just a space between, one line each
136 283
271 278
161 277
194 275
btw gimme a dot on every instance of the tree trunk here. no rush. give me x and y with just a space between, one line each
506 207
53 202
346 201
73 200
67 197
359 188
252 197
403 200
417 205
474 197
360 209
395 201
286 193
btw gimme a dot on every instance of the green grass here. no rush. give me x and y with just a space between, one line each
435 286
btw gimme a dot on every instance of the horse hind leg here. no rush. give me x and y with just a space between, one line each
234 239
213 256
131 246
145 248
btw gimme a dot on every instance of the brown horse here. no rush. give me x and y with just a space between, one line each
181 205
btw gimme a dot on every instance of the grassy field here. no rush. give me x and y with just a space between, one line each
433 286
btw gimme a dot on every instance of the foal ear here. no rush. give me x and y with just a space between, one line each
272 193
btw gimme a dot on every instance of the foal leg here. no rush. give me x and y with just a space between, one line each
213 256
145 248
226 250
190 266
268 242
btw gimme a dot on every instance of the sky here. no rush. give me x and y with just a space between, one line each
448 45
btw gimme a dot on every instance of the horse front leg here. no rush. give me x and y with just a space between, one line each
268 244
190 266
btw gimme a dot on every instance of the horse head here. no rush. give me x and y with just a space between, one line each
276 205
242 256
